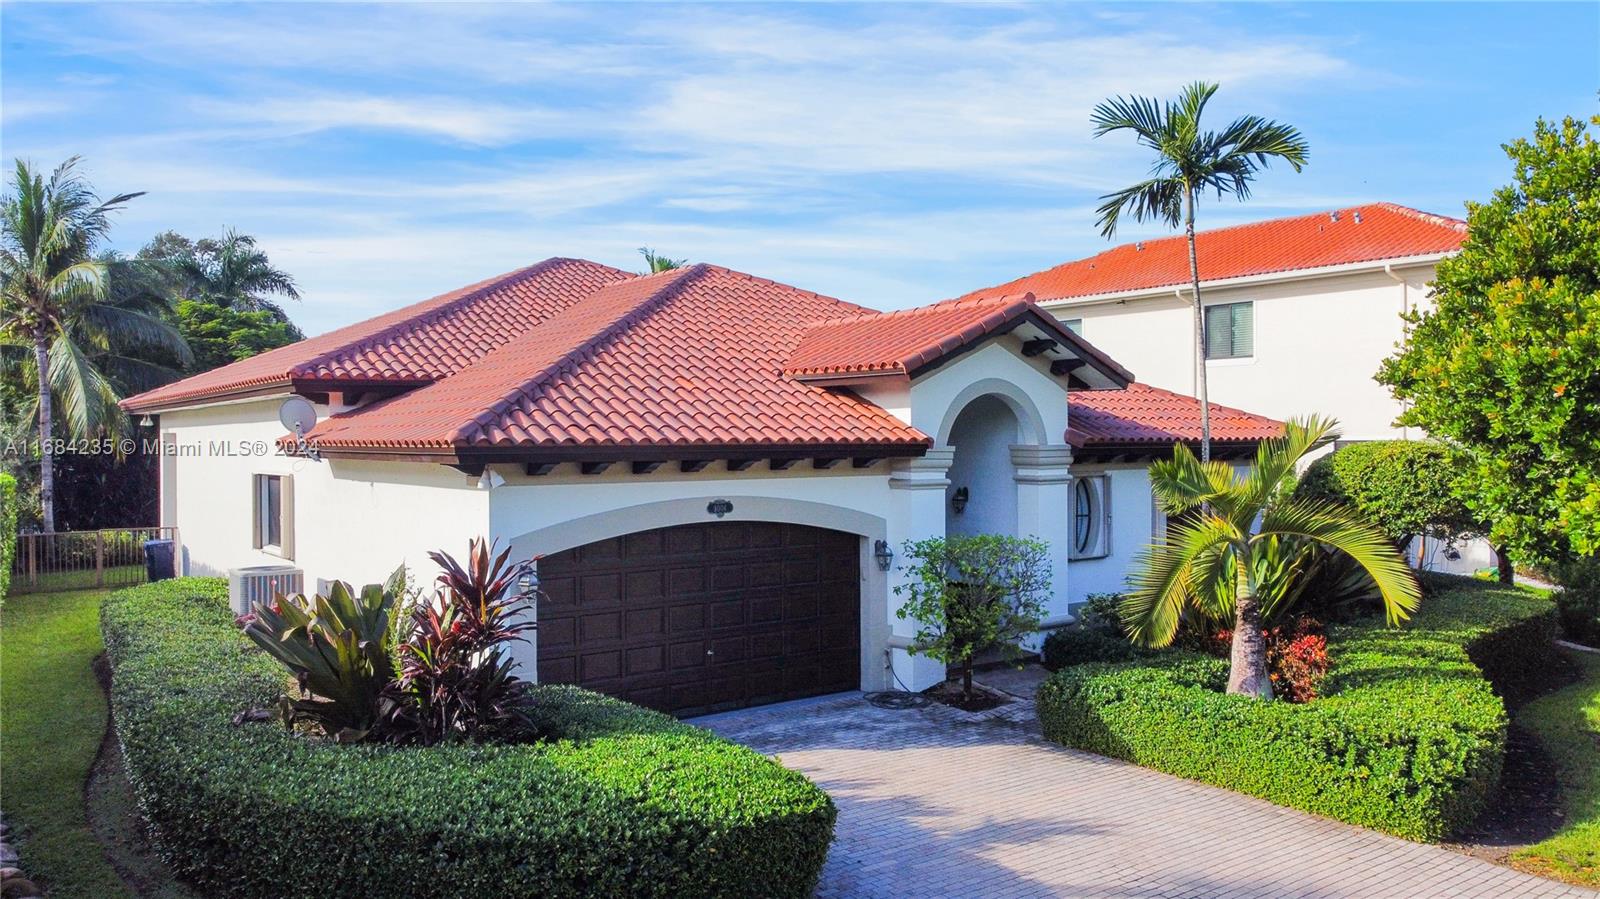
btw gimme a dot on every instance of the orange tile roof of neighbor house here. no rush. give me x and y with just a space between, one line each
1371 233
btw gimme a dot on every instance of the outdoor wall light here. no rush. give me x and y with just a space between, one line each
882 552
958 500
528 581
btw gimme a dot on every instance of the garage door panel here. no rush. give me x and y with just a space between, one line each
643 660
727 613
705 617
643 624
686 618
600 665
600 588
686 581
683 656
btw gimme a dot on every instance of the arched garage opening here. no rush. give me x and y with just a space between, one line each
668 607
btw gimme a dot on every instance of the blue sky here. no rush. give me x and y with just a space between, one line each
889 155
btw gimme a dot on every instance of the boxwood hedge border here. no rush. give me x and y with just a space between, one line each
1409 736
625 802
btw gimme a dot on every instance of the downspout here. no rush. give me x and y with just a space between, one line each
1405 309
1194 364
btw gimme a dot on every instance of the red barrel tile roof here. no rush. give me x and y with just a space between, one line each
1375 232
414 344
690 357
908 339
571 354
1141 414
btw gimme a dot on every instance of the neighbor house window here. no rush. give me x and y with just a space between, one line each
1230 331
1090 535
274 514
1075 325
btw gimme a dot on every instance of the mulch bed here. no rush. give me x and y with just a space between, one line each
950 694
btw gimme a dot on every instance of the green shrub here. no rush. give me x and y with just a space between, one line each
1078 645
623 801
8 530
1579 599
1405 487
1408 738
968 594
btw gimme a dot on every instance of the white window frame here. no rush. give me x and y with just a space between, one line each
1099 512
1206 341
261 512
1069 324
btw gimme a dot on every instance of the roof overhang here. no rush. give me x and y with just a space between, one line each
1184 288
1109 452
315 388
474 459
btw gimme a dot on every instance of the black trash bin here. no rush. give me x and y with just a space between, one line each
158 559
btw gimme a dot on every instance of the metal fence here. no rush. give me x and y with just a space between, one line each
82 560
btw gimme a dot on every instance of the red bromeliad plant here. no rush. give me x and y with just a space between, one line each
1297 656
455 679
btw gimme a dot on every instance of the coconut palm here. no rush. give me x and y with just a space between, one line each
82 317
1235 532
1190 161
658 262
235 273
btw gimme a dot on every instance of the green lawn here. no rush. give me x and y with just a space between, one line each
52 718
1567 723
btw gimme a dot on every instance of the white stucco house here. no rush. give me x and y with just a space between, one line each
1300 313
715 470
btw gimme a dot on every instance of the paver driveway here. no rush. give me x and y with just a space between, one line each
933 803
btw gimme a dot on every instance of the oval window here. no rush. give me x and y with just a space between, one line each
1082 516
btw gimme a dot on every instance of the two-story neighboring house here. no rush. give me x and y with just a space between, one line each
1299 314
1299 311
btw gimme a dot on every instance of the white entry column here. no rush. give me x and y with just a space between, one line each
1044 492
917 495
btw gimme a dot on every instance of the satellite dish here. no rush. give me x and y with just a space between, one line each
297 415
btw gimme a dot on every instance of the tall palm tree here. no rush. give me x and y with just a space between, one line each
658 262
235 273
82 316
1235 532
1190 161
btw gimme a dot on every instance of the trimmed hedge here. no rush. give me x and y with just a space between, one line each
625 802
1408 738
8 530
1405 487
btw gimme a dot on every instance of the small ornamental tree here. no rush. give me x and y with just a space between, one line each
1506 361
969 594
1405 487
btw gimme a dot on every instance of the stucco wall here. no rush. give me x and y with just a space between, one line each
1318 343
353 520
982 437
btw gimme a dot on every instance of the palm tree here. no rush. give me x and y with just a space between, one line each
82 316
659 263
235 273
1190 161
1223 558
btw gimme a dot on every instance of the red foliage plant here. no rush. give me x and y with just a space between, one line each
456 680
1297 657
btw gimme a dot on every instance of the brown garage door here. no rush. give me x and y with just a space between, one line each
704 617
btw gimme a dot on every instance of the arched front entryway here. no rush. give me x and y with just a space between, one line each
982 496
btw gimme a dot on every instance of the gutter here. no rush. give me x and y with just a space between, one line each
1373 265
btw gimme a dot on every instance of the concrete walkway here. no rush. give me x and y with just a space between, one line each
935 802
